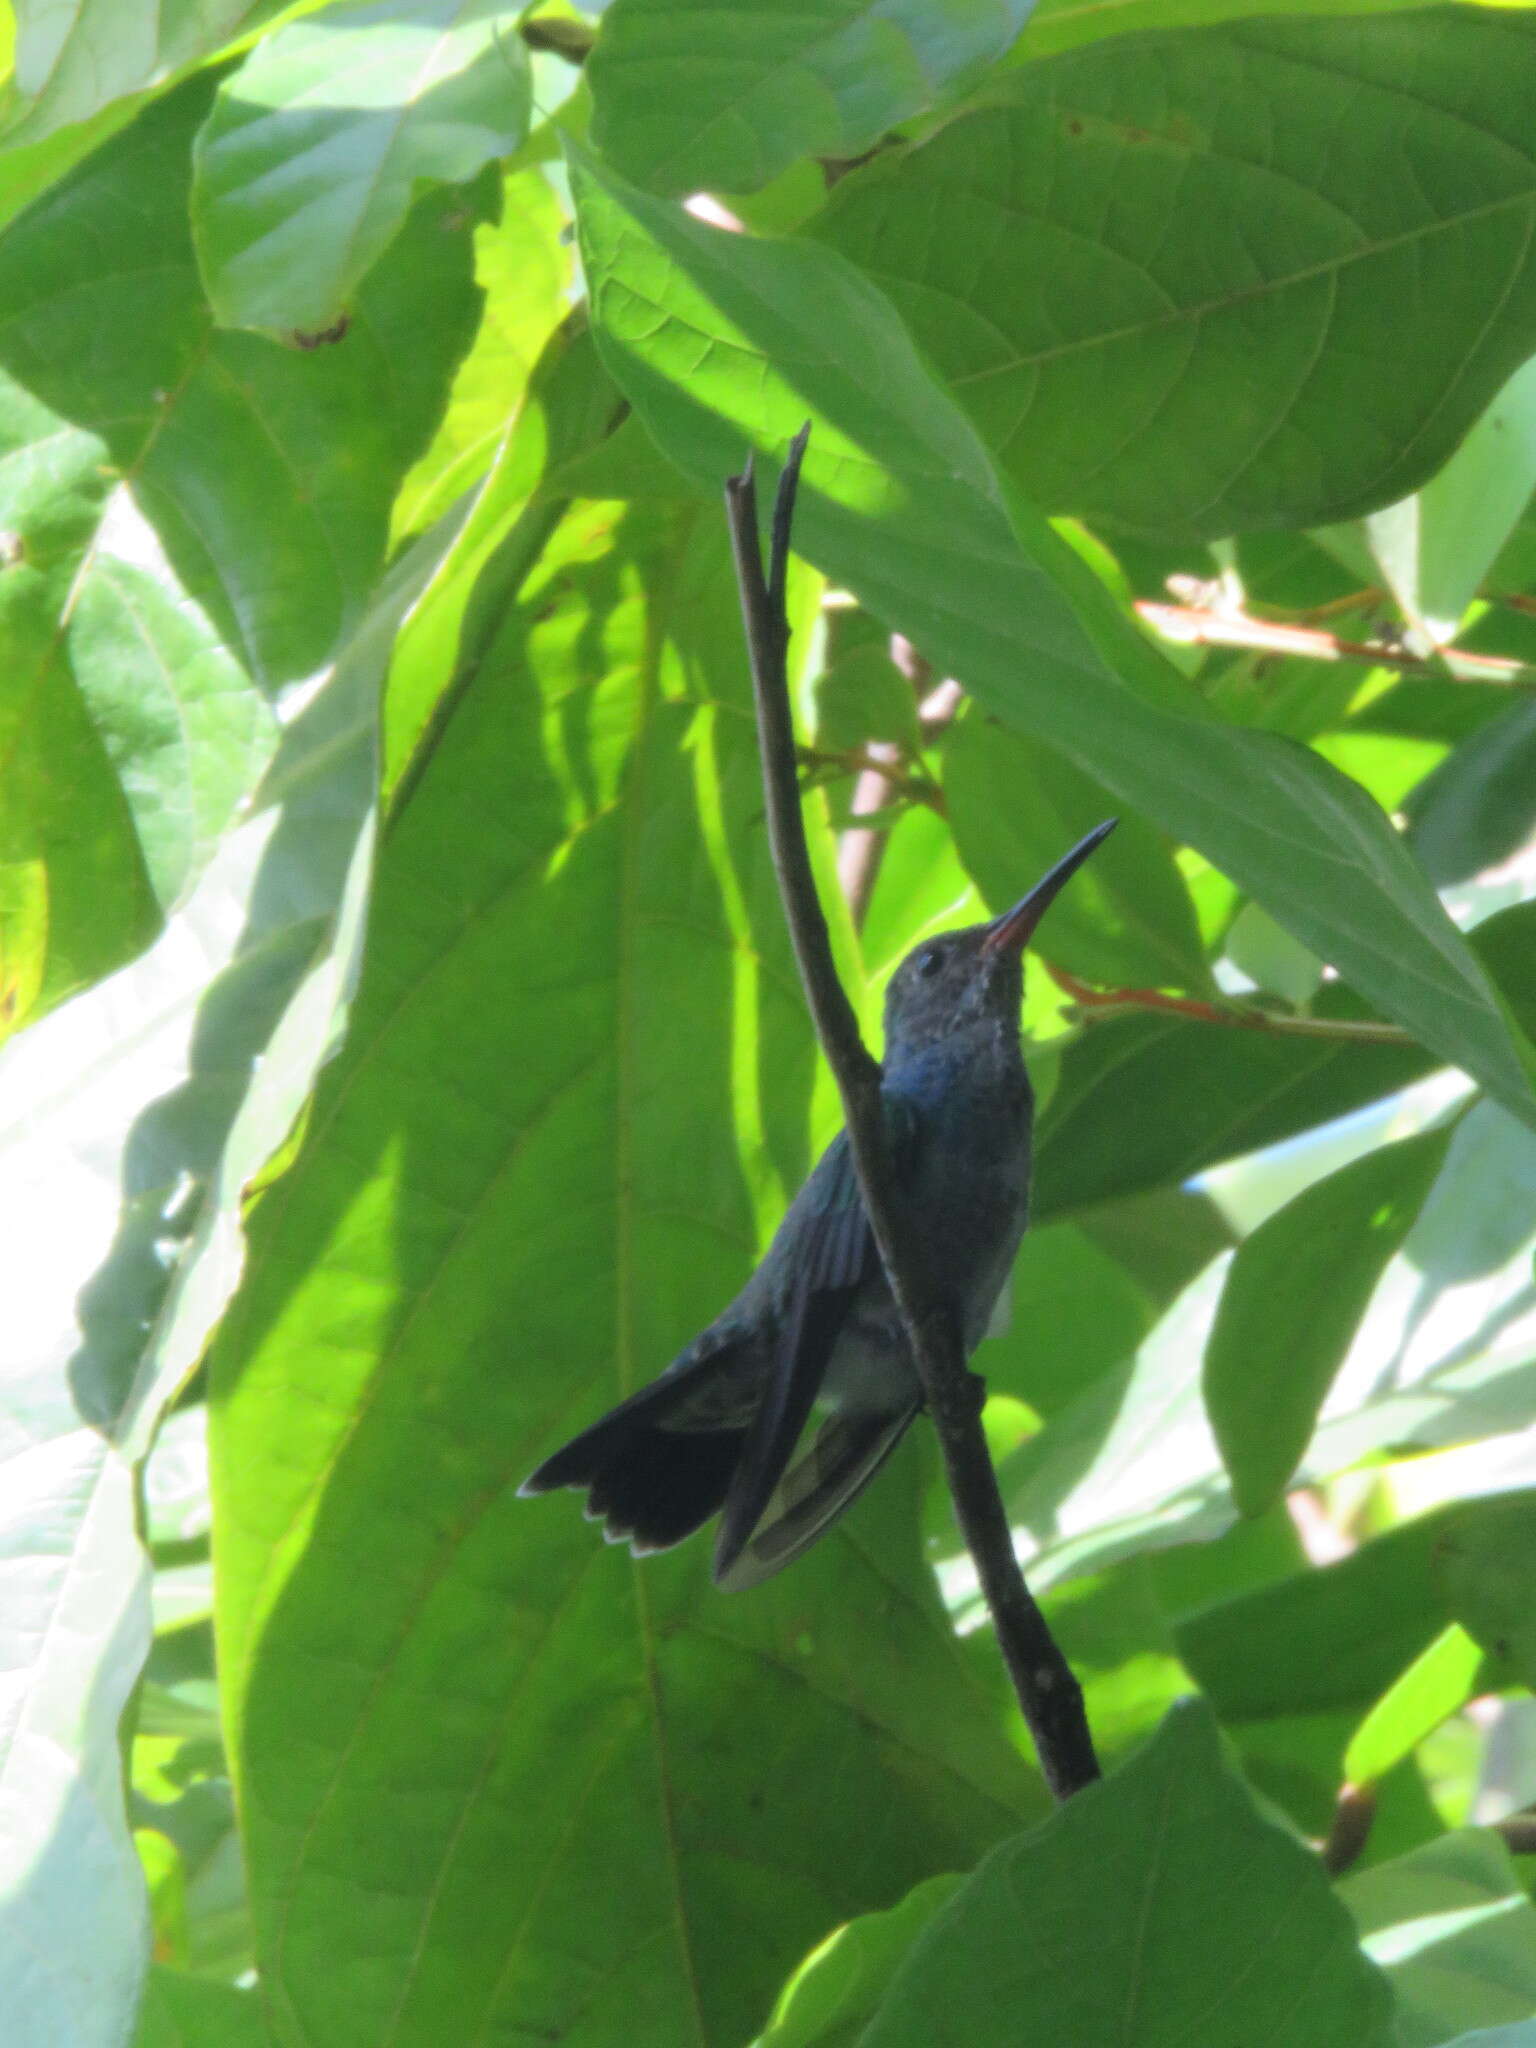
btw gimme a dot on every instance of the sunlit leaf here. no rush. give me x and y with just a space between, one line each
317 147
1437 1683
688 94
1295 1293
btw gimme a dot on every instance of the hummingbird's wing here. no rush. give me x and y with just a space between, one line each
835 1253
846 1453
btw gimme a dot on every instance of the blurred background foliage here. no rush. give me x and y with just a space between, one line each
405 1055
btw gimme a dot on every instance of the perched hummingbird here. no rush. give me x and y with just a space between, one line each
815 1326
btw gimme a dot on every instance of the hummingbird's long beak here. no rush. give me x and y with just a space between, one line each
1013 931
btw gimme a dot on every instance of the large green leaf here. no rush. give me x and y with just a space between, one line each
578 1090
1231 221
228 442
901 504
192 2012
141 1110
1157 1907
318 145
687 93
1294 1296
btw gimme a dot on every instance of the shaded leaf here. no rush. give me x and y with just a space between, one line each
317 147
193 2012
1157 1906
1014 803
1222 346
1479 806
1453 1929
1485 1573
688 94
1295 1292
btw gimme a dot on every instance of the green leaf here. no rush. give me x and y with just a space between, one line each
1485 1569
1014 804
1452 1927
1294 1296
687 94
1204 1094
230 444
1435 548
864 696
1438 1683
1478 806
1222 346
143 1108
1063 24
73 62
130 734
1319 1640
1158 1906
579 1088
834 1993
900 504
523 268
1443 1357
1076 1314
192 2012
317 147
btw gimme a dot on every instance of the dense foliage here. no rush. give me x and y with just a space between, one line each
407 1054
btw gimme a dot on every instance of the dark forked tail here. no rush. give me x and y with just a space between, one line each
649 1486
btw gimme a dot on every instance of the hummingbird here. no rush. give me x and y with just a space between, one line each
815 1328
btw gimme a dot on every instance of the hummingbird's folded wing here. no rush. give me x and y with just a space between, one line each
835 1253
845 1454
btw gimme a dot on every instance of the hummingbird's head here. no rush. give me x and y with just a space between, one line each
973 976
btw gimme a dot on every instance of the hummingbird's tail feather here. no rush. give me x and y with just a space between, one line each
649 1484
828 1477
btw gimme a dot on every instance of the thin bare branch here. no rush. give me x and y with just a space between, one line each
1048 1693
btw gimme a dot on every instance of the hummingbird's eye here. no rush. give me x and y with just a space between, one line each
929 962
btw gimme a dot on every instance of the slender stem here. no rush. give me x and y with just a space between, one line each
1048 1693
1124 1002
1195 626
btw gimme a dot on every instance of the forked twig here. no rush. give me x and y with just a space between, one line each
1048 1693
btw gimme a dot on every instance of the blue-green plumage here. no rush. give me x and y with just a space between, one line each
815 1331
